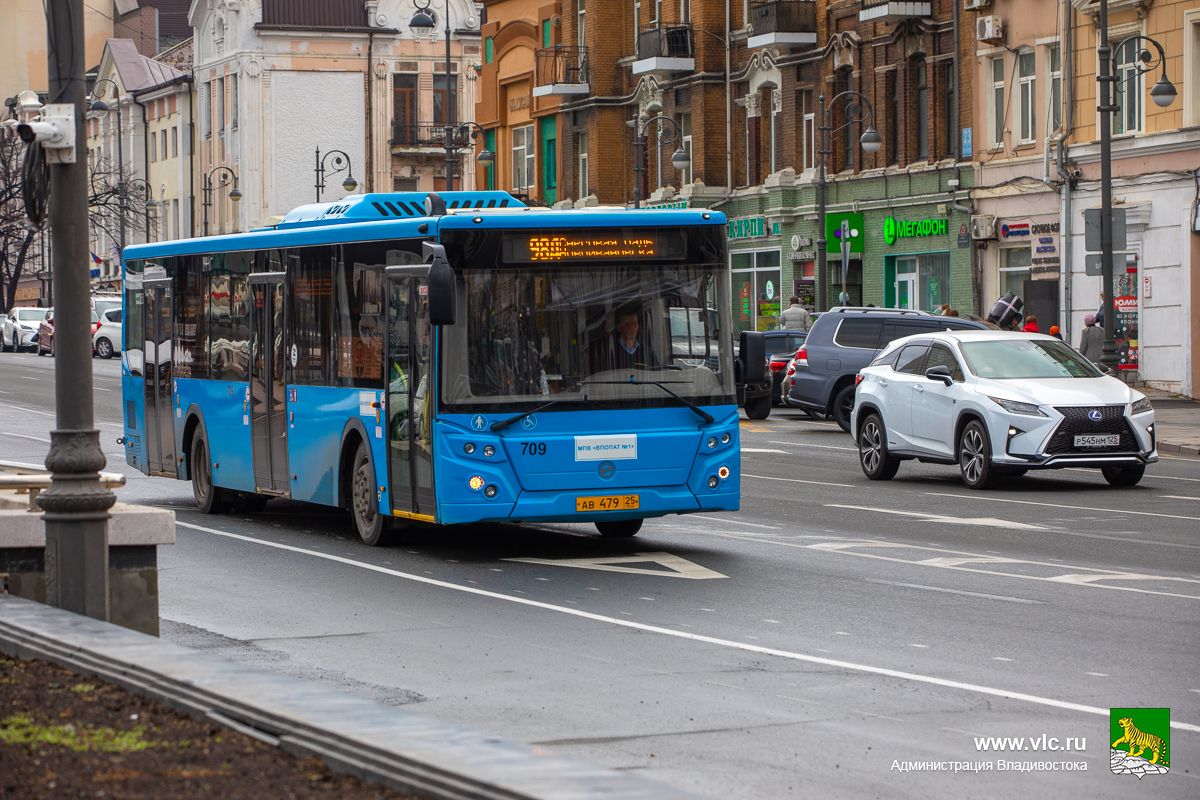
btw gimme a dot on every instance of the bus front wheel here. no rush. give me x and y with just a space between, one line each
208 496
619 527
363 503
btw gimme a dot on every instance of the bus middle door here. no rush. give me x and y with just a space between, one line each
159 404
410 393
268 385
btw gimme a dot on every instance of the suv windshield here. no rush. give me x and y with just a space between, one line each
566 332
1025 358
31 314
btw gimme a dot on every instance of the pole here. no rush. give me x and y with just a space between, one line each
821 242
639 145
120 173
448 112
728 103
1108 357
76 505
320 184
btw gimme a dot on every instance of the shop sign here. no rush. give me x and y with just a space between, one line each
1014 229
1045 247
894 229
801 241
833 230
747 227
964 238
517 103
673 204
802 255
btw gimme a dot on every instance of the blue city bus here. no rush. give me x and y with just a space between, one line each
441 359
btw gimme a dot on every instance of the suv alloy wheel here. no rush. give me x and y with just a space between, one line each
877 464
975 457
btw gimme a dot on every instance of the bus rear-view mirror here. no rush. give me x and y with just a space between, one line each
441 286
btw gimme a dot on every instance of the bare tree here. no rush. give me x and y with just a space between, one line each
16 236
112 190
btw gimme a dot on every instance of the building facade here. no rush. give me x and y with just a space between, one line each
282 85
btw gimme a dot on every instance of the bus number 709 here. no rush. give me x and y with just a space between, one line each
533 448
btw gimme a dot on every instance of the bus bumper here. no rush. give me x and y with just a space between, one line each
560 506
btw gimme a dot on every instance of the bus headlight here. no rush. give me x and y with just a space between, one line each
476 483
713 482
469 448
491 491
489 451
725 437
712 442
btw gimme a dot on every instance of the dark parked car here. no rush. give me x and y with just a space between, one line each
843 341
45 337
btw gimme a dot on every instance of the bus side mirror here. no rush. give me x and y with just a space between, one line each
441 285
752 355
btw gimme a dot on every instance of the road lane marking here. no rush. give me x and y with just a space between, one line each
1178 497
695 637
797 480
26 436
761 450
822 446
959 591
1060 505
676 567
989 522
751 524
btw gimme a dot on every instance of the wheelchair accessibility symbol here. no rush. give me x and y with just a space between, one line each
479 422
529 423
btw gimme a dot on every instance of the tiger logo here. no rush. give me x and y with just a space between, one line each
1139 742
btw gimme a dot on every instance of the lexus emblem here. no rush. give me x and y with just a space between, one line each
1094 415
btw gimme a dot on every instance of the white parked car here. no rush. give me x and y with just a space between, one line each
107 338
996 404
20 326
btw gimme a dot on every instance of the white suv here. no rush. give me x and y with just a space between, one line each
997 404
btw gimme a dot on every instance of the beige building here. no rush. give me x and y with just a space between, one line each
23 55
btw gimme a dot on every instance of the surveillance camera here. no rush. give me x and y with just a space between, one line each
46 132
54 130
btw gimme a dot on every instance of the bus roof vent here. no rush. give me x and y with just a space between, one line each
388 206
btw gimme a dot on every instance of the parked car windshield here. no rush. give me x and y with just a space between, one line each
1026 358
31 314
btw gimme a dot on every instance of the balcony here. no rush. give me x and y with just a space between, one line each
782 22
561 71
665 48
889 10
423 134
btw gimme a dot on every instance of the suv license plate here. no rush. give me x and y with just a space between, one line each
1110 440
612 502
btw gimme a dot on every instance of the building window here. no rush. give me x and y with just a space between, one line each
1191 62
951 131
922 111
581 23
175 216
996 108
404 109
233 101
445 99
849 137
206 110
153 146
808 129
549 126
523 158
893 117
637 22
490 171
547 34
220 107
163 148
685 11
489 52
583 165
1128 90
1055 65
175 142
1015 269
685 134
1028 97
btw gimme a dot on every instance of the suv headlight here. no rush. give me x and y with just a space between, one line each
1013 407
1141 406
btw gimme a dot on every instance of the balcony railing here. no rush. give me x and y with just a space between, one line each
783 16
562 70
423 134
665 41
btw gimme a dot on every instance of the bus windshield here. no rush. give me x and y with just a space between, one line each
577 334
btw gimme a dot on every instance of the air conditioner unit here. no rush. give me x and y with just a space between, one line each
971 5
983 227
989 29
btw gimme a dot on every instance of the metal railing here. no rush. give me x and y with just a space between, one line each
34 479
421 134
666 41
783 16
562 64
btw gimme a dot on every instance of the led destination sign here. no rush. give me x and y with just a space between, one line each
601 246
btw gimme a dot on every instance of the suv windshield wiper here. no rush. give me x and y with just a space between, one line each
504 423
704 415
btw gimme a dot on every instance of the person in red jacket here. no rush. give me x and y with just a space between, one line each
1031 325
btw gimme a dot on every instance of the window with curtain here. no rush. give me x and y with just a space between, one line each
996 107
445 99
808 128
1027 86
524 157
581 23
951 124
922 127
1127 91
1054 59
582 150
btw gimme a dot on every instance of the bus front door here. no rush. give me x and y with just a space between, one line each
268 385
410 394
160 415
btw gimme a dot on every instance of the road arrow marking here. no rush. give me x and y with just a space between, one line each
989 522
676 567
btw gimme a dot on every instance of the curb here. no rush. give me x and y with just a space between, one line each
400 749
1182 448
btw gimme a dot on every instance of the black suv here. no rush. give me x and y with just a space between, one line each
843 341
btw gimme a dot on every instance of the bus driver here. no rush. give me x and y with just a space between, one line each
622 348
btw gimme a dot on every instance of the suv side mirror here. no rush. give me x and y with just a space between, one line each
752 353
940 373
441 285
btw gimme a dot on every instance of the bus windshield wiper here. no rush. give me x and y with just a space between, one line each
504 423
704 415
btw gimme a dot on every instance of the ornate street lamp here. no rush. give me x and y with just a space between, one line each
227 176
679 159
341 162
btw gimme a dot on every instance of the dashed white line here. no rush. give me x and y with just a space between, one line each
1060 505
1001 658
820 446
796 480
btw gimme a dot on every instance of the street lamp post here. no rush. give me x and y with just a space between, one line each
101 108
871 141
679 159
453 138
137 184
342 162
1163 95
226 175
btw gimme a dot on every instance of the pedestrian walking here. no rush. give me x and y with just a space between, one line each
1091 342
795 317
1031 325
1055 332
952 312
1100 313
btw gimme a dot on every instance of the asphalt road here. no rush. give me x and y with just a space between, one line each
798 648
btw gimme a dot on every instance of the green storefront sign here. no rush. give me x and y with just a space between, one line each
747 227
894 229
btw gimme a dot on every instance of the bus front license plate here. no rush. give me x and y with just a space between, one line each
612 502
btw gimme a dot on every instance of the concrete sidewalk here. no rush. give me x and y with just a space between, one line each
1177 420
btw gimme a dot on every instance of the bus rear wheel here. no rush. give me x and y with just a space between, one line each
369 523
619 527
208 496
